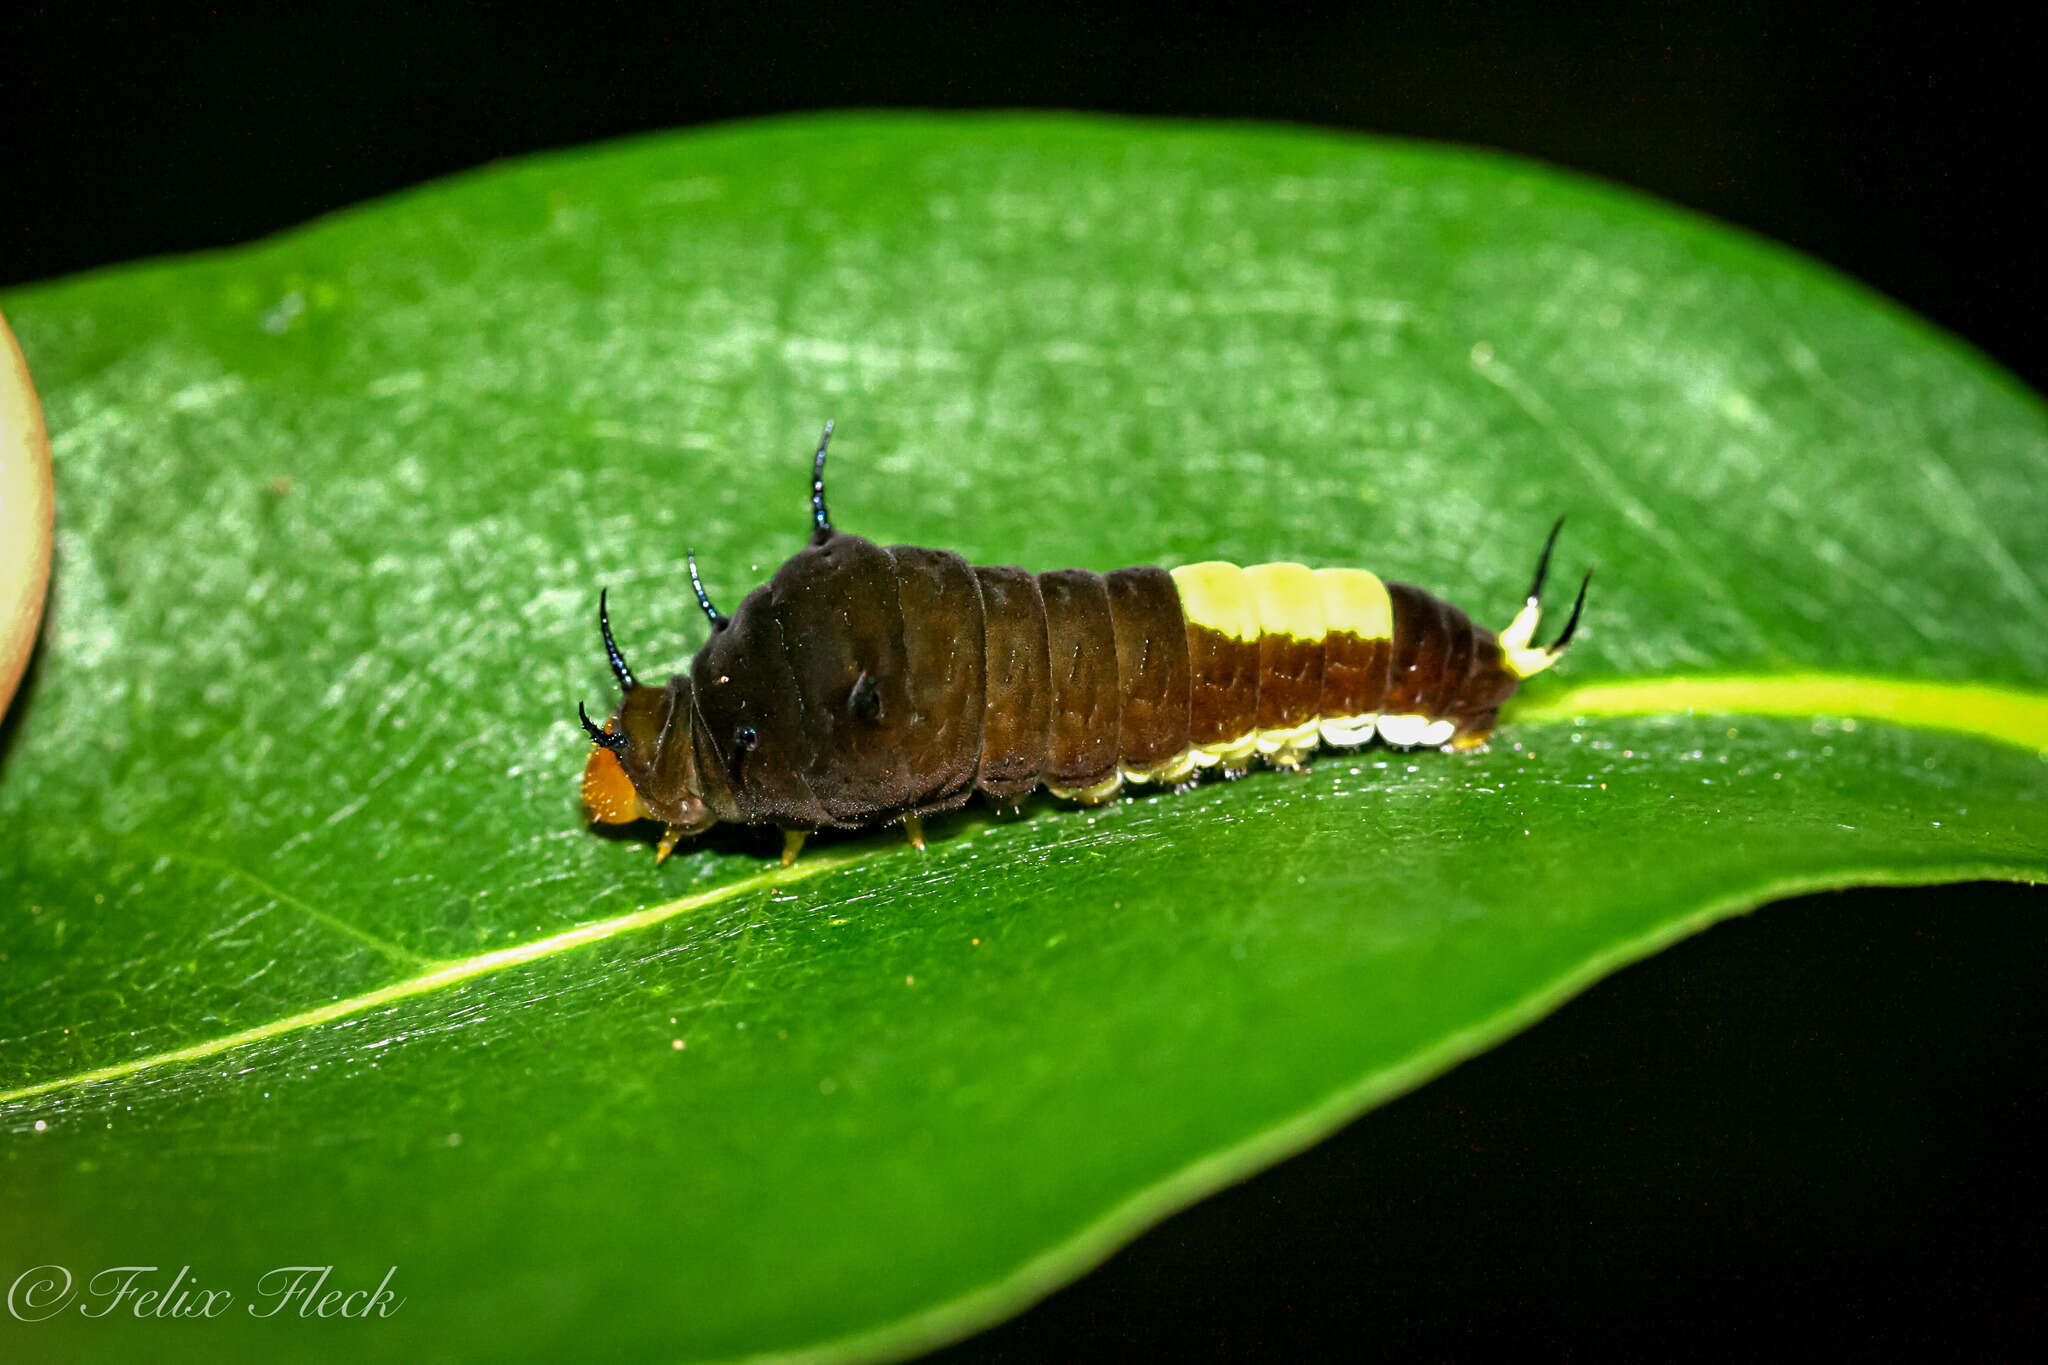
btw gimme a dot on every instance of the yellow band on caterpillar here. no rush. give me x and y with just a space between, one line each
1357 602
1290 600
1217 596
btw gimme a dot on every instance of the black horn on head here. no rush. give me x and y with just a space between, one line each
599 736
703 598
821 521
611 648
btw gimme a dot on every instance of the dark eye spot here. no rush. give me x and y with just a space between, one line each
865 701
745 738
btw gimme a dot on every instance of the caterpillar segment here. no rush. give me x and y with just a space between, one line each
865 684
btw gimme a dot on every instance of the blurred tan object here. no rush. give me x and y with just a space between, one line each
27 508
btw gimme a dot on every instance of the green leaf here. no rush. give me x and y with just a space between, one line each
307 958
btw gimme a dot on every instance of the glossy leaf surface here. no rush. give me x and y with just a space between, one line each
306 957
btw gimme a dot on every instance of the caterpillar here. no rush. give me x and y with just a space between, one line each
864 684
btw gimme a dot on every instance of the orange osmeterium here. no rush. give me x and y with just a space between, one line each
608 795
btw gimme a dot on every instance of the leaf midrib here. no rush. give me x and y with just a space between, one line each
2003 715
1983 711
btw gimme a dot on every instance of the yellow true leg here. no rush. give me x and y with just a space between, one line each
914 828
667 844
1290 760
792 844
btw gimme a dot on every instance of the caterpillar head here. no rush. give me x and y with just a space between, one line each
644 765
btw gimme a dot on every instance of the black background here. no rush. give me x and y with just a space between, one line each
1816 1126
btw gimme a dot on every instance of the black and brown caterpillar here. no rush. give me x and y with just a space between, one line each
864 684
